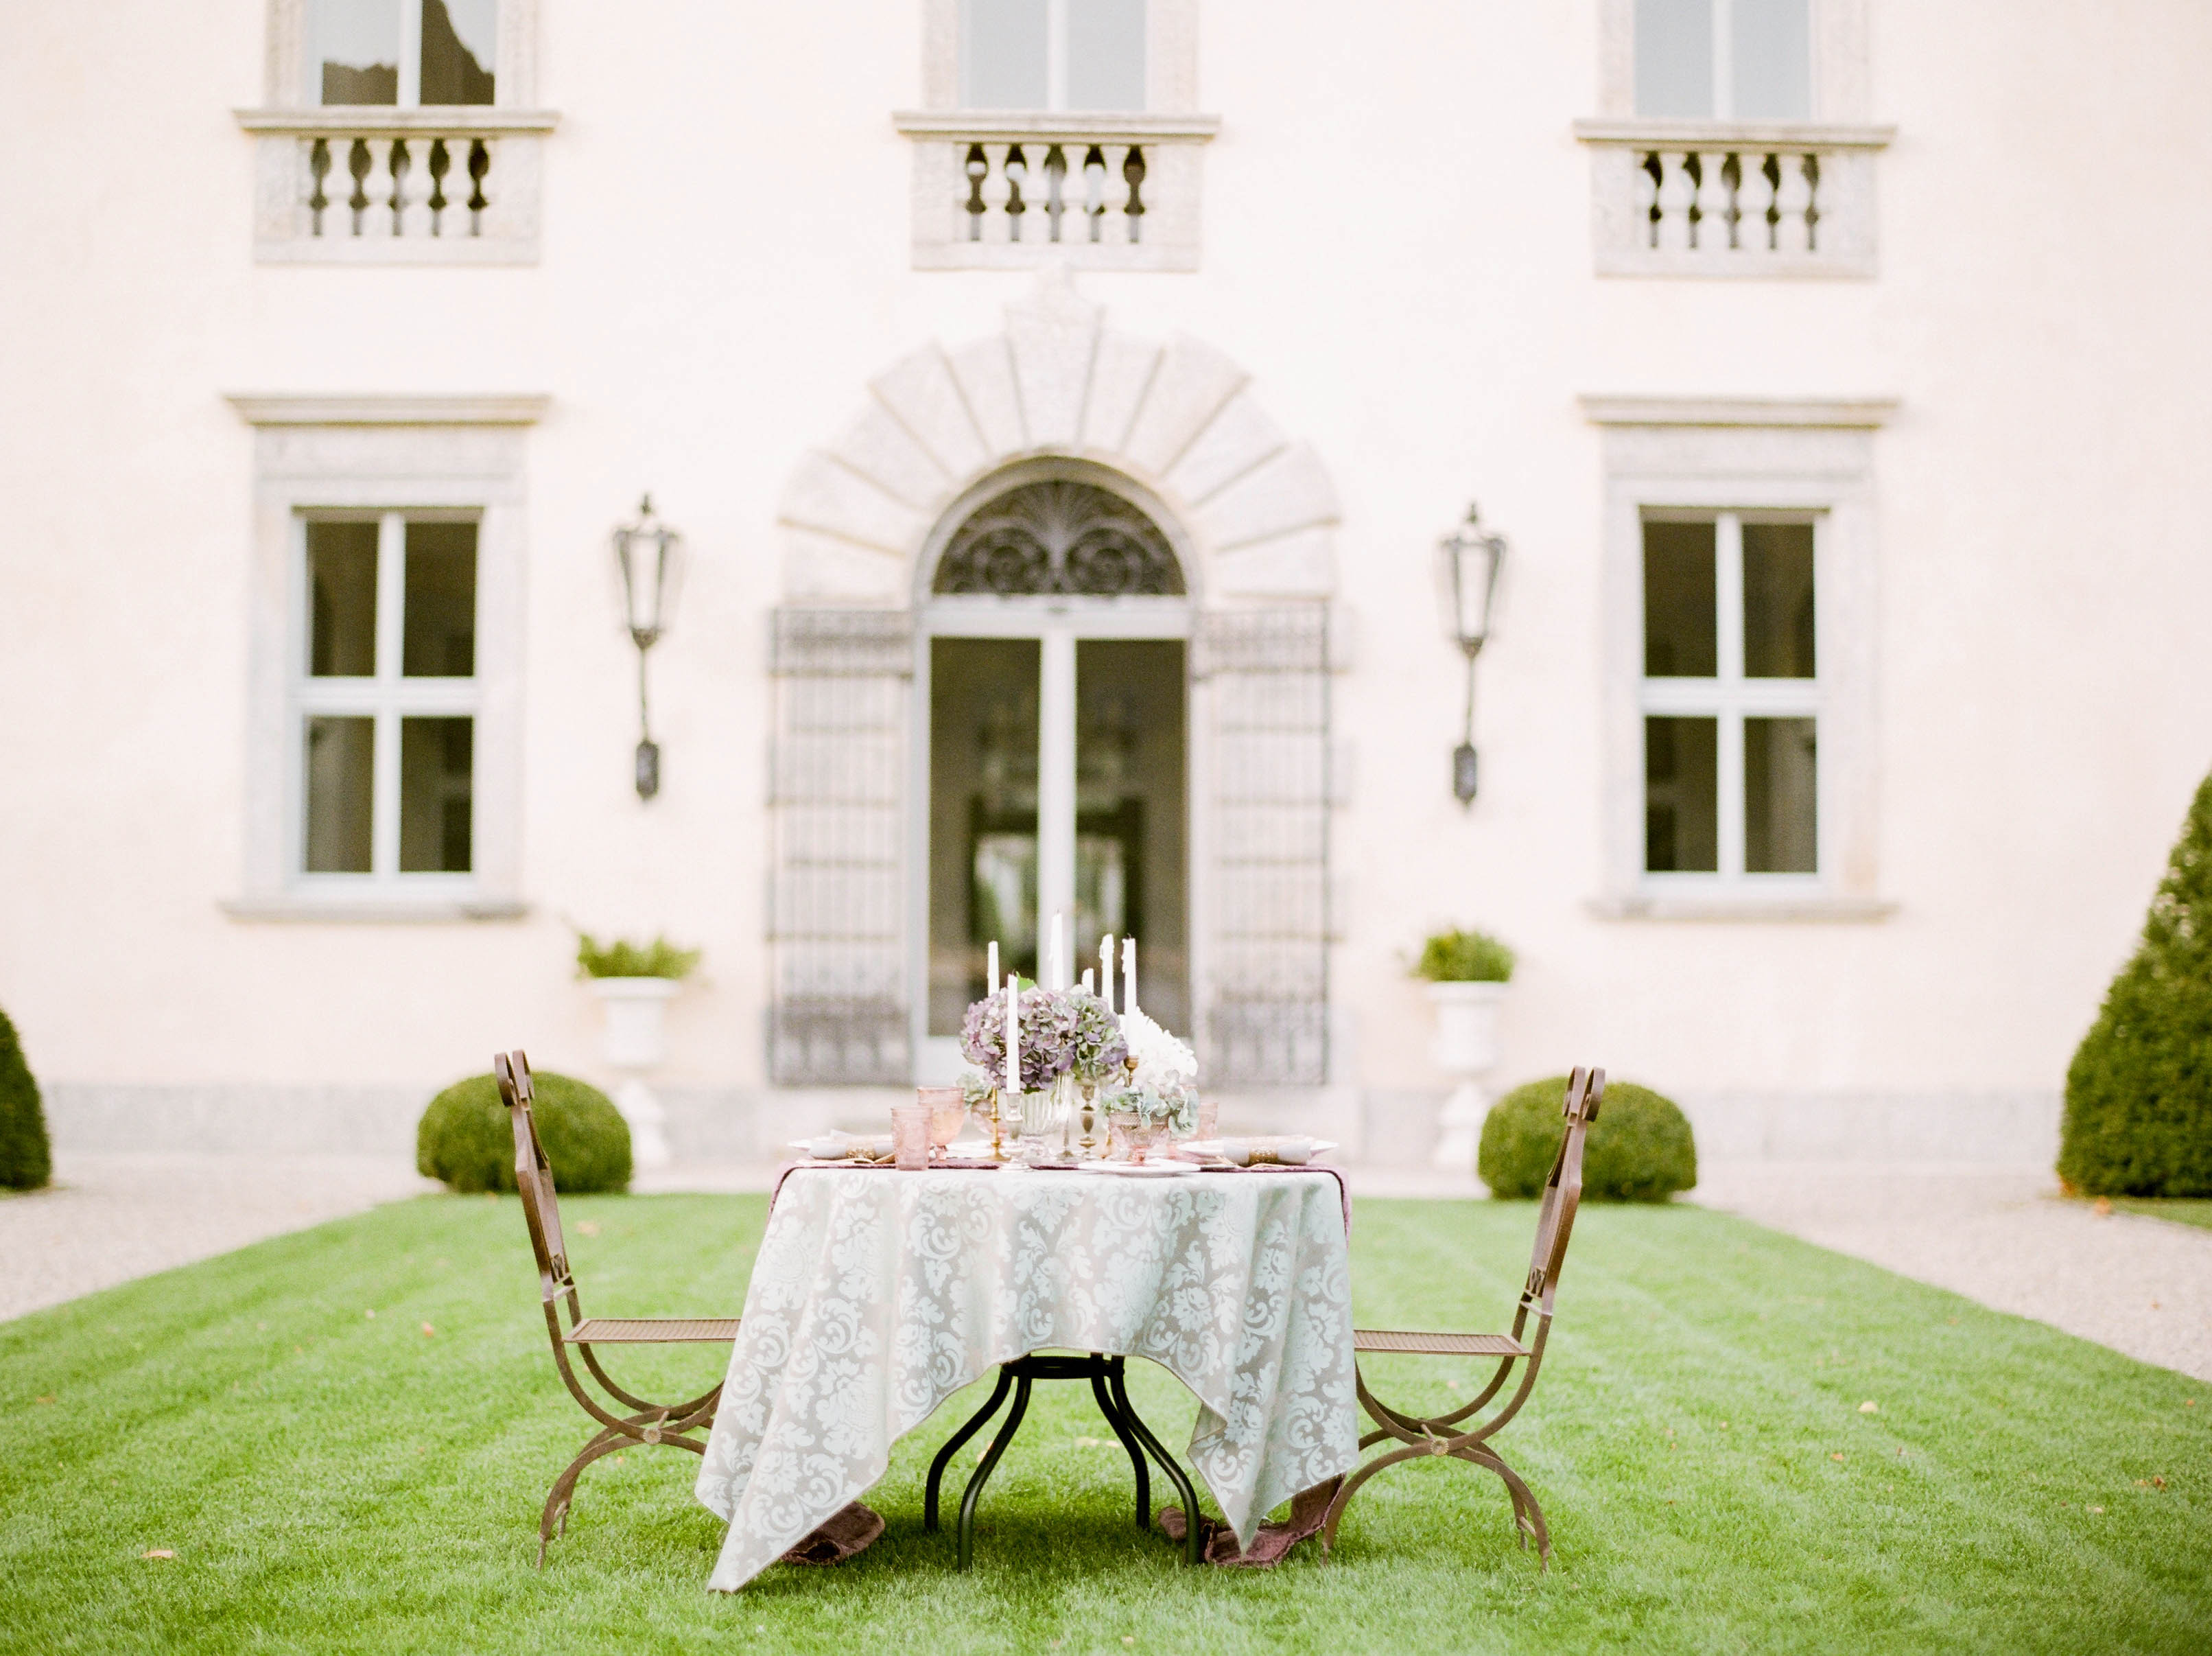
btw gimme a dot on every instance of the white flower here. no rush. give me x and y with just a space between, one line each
1165 1065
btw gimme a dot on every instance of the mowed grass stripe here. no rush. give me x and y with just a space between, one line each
377 1488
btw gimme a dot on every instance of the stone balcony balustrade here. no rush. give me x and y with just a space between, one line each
1012 190
1729 199
373 185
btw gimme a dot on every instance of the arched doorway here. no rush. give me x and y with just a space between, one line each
1055 734
918 551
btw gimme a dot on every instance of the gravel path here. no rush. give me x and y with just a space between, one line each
109 1218
2006 1239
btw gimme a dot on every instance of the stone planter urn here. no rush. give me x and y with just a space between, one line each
1466 1047
634 1045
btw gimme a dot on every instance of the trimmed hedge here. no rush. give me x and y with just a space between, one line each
1639 1149
466 1140
2139 1091
26 1160
1464 957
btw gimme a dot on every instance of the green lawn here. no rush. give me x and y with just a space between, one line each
2185 1211
333 1481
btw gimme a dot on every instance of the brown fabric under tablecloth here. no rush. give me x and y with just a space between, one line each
846 1535
1273 1542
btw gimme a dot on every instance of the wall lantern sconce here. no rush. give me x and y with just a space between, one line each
648 554
1468 563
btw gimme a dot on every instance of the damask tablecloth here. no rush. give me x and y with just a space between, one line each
877 1295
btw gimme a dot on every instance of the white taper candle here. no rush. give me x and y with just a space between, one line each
1013 1082
1106 967
1129 974
990 972
1089 988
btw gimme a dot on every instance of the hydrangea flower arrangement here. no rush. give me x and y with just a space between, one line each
1163 1084
1063 1032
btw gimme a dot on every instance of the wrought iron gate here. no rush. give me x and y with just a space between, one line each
1267 1013
836 910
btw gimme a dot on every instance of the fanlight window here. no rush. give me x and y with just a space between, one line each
1059 539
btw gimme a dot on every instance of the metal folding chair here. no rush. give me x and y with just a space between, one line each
628 1419
1456 1435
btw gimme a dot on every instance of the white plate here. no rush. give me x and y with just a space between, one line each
1137 1169
837 1147
1217 1149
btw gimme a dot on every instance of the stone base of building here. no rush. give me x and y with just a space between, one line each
1375 1127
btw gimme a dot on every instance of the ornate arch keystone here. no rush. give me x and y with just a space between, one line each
1178 417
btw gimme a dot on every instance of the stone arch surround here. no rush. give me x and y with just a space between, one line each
1256 509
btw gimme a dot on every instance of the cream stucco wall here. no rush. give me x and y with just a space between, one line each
1397 249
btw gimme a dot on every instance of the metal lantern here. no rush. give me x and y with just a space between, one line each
648 555
1467 562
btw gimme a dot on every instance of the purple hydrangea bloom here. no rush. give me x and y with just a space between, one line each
1061 1031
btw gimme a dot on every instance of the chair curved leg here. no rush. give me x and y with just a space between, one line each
1111 1367
952 1447
990 1461
1351 1488
1193 1542
1528 1516
606 1442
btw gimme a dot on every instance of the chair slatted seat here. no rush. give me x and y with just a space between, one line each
653 1330
1462 1434
1436 1345
627 1418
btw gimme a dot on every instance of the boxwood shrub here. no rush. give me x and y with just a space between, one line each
2139 1091
465 1138
26 1160
1639 1149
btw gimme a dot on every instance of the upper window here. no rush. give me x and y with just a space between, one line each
1745 60
1730 698
1052 54
386 696
404 53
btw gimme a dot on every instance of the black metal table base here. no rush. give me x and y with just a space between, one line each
1105 1376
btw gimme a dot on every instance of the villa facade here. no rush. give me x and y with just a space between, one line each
1061 403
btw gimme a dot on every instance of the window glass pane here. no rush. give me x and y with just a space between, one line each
1780 820
982 816
341 770
1682 795
439 639
1106 56
1777 600
1772 60
341 599
1678 601
458 39
1674 57
435 778
355 46
1002 47
1130 852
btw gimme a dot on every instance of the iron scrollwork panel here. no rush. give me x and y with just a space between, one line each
1059 538
836 906
1267 1014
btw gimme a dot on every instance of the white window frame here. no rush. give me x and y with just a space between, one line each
1170 59
392 458
291 82
1726 459
1839 73
386 697
1729 697
1723 64
1055 56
